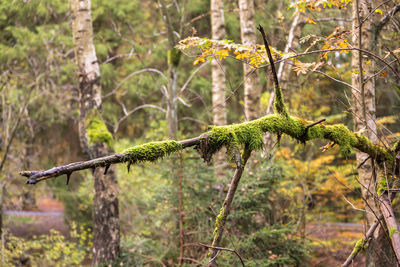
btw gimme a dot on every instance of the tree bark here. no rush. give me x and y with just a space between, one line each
379 252
95 144
218 81
252 88
173 59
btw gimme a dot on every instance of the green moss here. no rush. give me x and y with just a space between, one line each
96 129
279 103
381 186
219 220
250 135
232 137
360 244
396 146
151 151
341 136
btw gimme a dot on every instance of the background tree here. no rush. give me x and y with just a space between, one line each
218 78
96 140
252 88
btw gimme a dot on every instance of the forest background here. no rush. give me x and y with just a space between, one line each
287 191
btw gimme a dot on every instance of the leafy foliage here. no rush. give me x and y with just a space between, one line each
49 250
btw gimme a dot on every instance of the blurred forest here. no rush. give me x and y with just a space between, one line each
298 204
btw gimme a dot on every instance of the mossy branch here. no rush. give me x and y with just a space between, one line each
361 243
248 134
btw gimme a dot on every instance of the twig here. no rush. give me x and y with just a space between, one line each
338 50
336 80
217 248
363 162
385 20
315 123
372 12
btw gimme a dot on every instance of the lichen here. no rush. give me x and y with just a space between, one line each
96 129
150 151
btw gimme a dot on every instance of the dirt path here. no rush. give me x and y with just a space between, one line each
50 215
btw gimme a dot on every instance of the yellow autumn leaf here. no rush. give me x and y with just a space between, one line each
310 20
199 59
378 11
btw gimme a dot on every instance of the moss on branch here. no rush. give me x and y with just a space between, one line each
150 151
251 134
360 245
233 137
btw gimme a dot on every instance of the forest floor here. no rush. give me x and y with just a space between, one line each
332 242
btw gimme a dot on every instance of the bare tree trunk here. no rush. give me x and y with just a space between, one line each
284 68
379 252
95 139
252 88
174 56
218 81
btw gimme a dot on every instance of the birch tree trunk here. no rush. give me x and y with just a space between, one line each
95 139
218 80
379 252
173 59
252 88
283 73
284 68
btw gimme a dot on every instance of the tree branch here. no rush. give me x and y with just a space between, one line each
279 103
384 21
226 206
246 133
362 242
217 248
